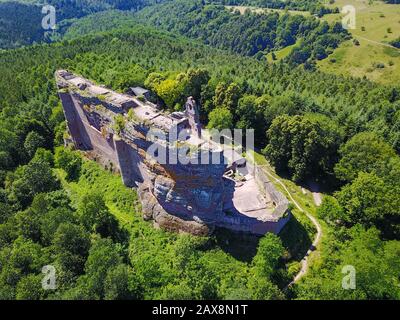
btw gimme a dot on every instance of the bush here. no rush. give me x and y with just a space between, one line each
69 161
378 65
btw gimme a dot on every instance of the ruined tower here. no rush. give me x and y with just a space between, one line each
193 114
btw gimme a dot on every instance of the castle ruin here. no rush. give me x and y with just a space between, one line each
184 196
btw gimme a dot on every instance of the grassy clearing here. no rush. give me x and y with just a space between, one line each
242 10
377 23
120 200
283 53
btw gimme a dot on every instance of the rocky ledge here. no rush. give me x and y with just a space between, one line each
152 210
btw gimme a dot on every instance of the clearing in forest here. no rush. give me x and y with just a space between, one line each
370 55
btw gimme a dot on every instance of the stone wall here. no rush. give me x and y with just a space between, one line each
279 200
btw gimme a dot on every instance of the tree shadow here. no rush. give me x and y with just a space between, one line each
325 185
240 245
295 238
243 246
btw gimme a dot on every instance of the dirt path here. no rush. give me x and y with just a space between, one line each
304 261
375 42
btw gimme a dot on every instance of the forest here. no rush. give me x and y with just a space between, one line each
20 24
20 20
249 34
58 208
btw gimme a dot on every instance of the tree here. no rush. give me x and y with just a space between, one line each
5 211
220 118
330 210
180 291
169 91
269 251
33 142
305 146
69 161
319 52
364 152
71 243
20 259
119 123
227 96
30 180
28 223
51 220
103 257
371 202
192 81
95 216
154 79
44 155
8 142
116 284
263 289
30 288
250 115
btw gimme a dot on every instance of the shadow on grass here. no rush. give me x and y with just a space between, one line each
296 239
241 246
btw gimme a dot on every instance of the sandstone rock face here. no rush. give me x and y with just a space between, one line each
152 210
190 195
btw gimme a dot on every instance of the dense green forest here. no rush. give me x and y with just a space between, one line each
210 23
20 20
248 34
94 23
53 211
57 208
20 24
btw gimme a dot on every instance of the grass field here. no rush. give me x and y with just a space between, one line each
283 53
377 23
242 10
120 200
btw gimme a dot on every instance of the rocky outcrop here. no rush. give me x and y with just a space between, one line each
190 193
152 210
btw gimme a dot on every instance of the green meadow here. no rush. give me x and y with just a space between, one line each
377 24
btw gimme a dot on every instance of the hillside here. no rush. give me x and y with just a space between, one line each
377 24
127 58
250 34
319 135
374 55
21 20
85 201
20 24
